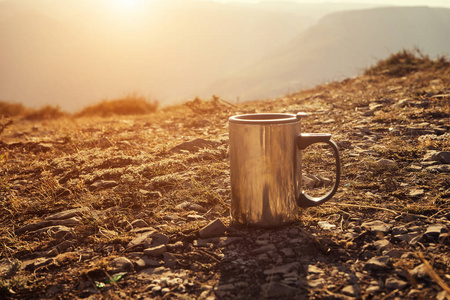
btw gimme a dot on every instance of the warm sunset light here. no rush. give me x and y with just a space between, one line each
128 6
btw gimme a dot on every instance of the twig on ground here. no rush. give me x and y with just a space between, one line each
434 275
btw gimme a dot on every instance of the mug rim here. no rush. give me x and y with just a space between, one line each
264 118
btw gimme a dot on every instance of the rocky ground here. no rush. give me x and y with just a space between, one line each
138 207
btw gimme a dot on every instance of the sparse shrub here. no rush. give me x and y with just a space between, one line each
45 113
132 104
404 62
8 109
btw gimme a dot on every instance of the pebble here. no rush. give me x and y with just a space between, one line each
351 290
139 223
170 261
393 283
440 156
379 263
377 226
419 272
386 163
416 193
68 214
325 225
213 229
121 264
155 251
186 205
141 239
381 245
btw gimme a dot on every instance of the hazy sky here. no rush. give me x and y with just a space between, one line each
439 3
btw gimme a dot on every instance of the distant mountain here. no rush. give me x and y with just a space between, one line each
73 53
340 45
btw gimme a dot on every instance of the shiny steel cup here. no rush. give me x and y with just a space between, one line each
266 169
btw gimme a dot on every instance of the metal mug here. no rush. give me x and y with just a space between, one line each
266 168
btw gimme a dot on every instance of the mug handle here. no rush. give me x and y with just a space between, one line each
303 141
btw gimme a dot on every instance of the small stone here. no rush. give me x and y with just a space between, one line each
288 252
433 231
170 261
373 289
377 226
386 163
213 229
186 205
381 245
159 239
380 263
419 272
314 270
155 251
139 223
394 283
416 193
407 237
325 225
103 184
394 253
351 290
121 264
443 156
68 213
141 239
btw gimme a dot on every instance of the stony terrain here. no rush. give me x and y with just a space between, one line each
138 207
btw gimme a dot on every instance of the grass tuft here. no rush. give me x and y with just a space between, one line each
132 104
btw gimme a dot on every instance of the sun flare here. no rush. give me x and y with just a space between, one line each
128 6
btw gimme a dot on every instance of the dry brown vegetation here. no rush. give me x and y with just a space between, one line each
123 171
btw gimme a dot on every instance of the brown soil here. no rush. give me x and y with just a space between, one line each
123 169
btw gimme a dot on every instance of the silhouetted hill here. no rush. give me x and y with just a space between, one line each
341 45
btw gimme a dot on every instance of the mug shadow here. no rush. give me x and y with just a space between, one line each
276 263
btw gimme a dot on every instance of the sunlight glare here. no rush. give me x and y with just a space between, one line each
128 6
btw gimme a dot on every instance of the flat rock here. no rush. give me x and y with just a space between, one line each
213 229
103 184
377 226
386 163
440 156
325 225
121 264
419 272
139 223
155 251
186 205
380 263
434 230
415 193
394 283
159 239
141 239
170 261
68 213
381 245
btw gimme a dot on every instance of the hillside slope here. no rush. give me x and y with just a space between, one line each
341 45
113 207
